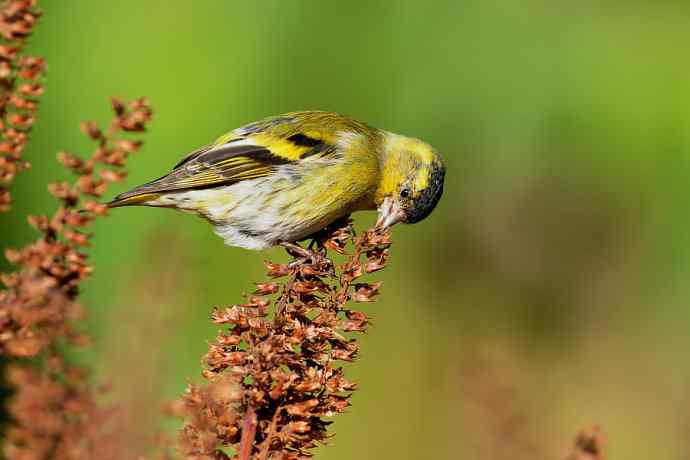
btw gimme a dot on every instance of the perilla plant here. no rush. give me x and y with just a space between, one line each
274 377
588 445
20 89
53 408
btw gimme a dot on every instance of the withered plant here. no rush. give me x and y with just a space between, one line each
275 380
588 445
20 88
53 408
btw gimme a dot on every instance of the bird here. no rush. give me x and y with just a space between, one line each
280 180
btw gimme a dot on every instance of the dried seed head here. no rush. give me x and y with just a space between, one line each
284 367
20 78
588 445
53 403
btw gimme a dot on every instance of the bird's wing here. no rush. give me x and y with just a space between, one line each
232 158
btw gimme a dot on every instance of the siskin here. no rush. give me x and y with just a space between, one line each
284 178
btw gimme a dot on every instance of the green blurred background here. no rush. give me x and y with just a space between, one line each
547 292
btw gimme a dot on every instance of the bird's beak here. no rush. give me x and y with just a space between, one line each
390 213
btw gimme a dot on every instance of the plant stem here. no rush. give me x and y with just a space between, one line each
248 433
263 455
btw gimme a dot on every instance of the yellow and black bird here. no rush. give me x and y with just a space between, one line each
284 178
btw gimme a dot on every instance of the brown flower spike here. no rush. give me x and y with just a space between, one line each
20 88
53 406
588 445
275 381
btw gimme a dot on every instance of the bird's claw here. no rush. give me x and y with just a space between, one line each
311 256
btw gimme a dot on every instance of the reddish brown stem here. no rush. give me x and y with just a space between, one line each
263 454
248 433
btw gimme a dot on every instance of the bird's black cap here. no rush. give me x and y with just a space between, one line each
428 197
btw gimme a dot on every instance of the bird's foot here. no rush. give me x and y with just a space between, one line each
309 255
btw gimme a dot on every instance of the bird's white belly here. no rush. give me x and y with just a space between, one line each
288 205
254 214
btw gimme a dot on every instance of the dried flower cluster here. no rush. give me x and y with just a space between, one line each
53 405
273 381
20 88
589 445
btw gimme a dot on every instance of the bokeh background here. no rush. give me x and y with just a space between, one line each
548 291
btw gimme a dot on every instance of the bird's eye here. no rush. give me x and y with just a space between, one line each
405 193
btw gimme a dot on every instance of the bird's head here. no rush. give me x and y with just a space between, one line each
411 180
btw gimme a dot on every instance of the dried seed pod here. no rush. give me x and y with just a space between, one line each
20 78
53 404
284 366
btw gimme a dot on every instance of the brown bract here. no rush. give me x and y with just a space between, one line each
588 445
275 380
20 88
53 405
